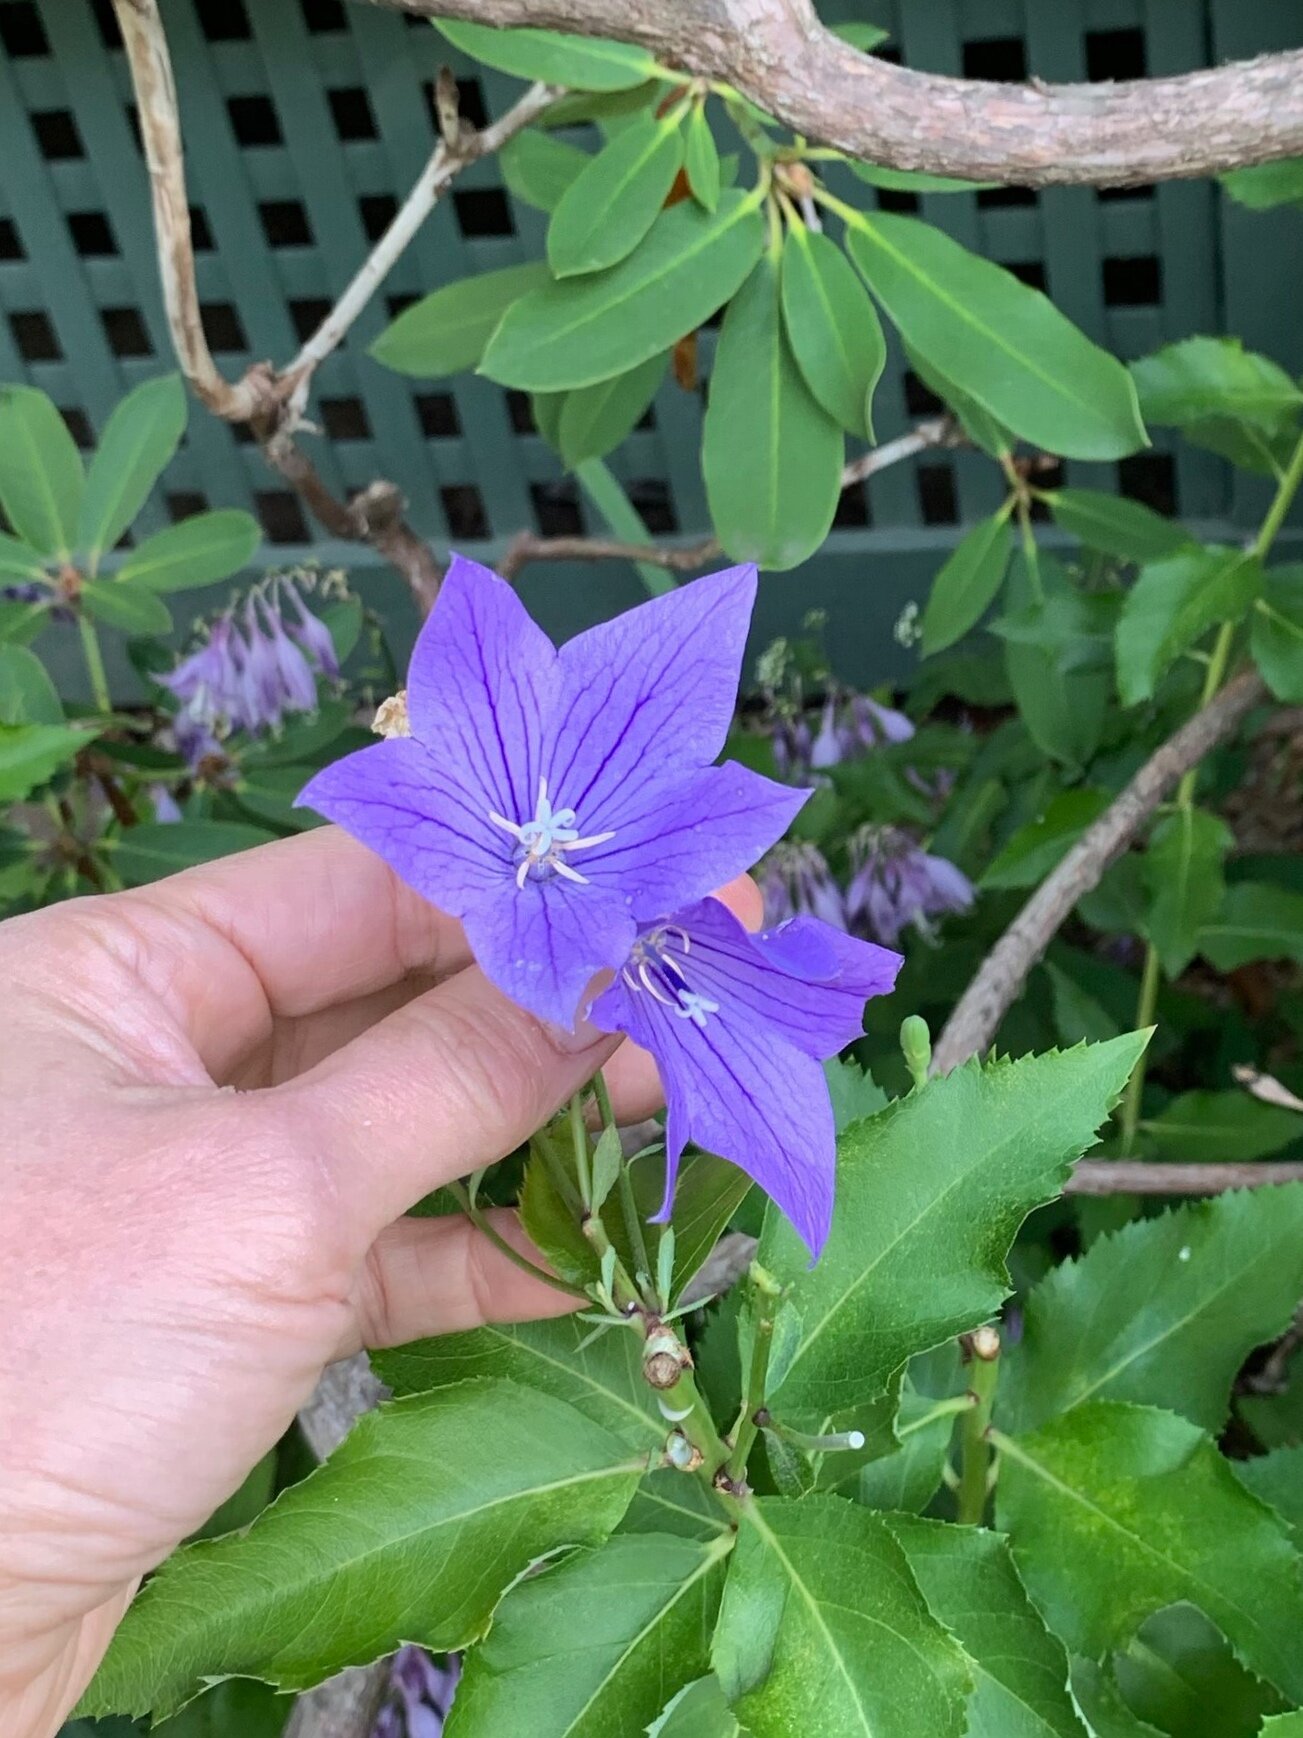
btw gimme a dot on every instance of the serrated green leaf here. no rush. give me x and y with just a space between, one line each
538 168
1101 1702
157 848
1172 604
1002 343
667 1501
854 1092
1019 1670
32 753
832 328
1183 872
593 1646
41 474
614 200
821 1613
1202 378
1283 1725
595 419
1220 1126
1036 848
584 63
1114 525
1116 1511
572 334
701 159
1079 1018
411 1531
1276 633
697 1711
1257 921
138 441
908 1476
125 605
1164 1311
1181 1676
770 454
447 330
1265 185
27 695
240 1709
966 583
1277 1480
930 1194
198 551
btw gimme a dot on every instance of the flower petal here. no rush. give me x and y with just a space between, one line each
652 691
480 689
543 946
408 807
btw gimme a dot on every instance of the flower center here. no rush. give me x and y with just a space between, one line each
542 842
656 967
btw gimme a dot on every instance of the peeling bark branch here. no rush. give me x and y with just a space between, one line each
1135 1177
777 53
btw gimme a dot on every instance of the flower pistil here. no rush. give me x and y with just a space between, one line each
543 839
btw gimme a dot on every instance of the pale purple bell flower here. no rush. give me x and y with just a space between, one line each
896 885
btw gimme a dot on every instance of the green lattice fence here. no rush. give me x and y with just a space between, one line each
306 120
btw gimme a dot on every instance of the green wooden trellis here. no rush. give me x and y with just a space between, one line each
307 119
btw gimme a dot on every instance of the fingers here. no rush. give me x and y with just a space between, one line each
443 1276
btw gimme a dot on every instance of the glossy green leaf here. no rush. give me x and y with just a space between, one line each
1101 1702
984 430
1172 605
19 561
771 455
1114 525
412 1530
701 159
583 63
157 848
821 1613
1040 845
538 168
27 695
914 180
614 200
138 441
909 1475
593 1646
1179 1674
832 328
1115 1511
1266 185
1277 1480
41 475
447 330
966 583
1183 872
1019 1670
30 754
930 1194
571 334
595 419
198 551
1220 1126
1002 343
1276 633
122 604
1202 378
1257 921
1164 1311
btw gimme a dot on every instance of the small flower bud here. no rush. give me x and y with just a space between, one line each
391 716
664 1358
984 1343
916 1043
681 1454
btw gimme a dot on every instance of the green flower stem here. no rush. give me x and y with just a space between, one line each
942 1409
1146 1004
579 1138
765 1295
459 1193
90 643
975 1447
697 1426
628 1205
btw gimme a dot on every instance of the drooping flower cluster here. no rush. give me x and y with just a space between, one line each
896 885
795 881
563 804
423 1695
260 661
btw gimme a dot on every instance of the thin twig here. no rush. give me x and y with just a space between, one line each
1137 1177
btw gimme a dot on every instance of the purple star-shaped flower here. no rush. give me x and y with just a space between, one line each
738 1025
557 799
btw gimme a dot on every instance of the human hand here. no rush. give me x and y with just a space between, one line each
221 1094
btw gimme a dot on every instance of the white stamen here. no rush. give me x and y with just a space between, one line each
695 1007
544 838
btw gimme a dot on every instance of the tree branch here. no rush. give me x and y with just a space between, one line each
973 1024
778 54
1135 1177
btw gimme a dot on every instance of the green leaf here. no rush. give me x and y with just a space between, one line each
157 848
1183 872
909 1475
1202 378
1002 343
1275 1419
821 1613
832 328
930 1194
1180 1675
1101 1702
1277 1480
41 475
584 63
697 1711
701 159
861 34
854 1092
708 1193
19 560
1079 1018
1114 525
770 454
30 754
593 1646
914 180
1042 844
1063 711
411 1531
612 203
538 168
245 1503
604 1380
27 695
198 551
138 441
447 330
1257 921
571 334
271 792
1265 185
239 1709
1215 1126
1283 1725
1276 633
607 494
1019 1670
594 419
1116 1511
1164 1311
983 429
1172 604
666 1502
125 605
966 583
20 623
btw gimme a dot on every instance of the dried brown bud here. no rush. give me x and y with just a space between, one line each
984 1344
664 1358
391 716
